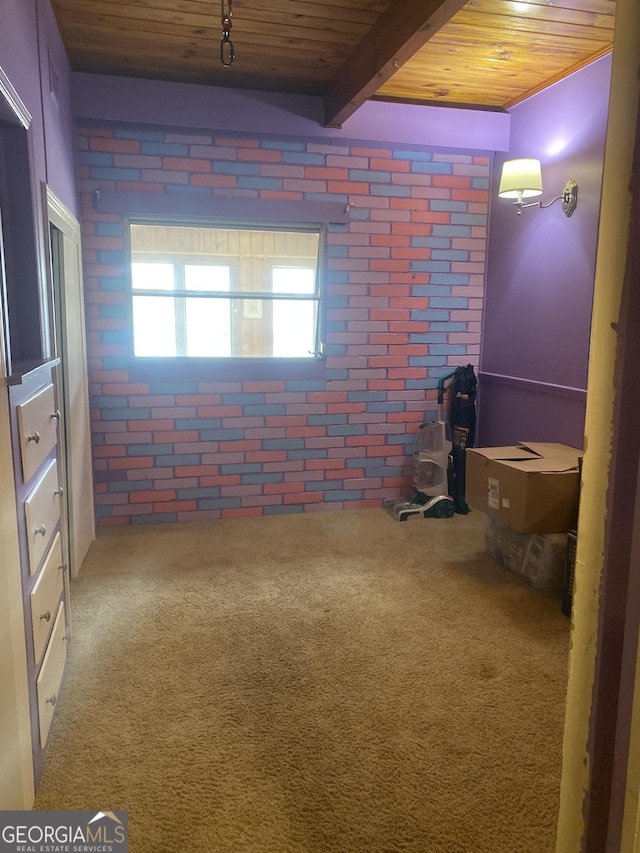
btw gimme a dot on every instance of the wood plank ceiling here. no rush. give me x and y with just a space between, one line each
487 54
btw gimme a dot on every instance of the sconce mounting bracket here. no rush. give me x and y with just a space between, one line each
569 197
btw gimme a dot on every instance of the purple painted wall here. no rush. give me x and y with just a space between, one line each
541 264
33 58
124 99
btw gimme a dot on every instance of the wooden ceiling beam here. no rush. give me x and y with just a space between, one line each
404 28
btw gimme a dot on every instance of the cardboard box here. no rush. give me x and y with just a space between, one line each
532 488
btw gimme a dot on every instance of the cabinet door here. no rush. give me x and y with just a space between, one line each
50 677
38 426
42 514
45 596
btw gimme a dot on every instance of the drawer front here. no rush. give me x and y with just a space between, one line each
38 426
45 596
42 513
51 673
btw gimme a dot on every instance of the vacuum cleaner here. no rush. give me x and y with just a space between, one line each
434 476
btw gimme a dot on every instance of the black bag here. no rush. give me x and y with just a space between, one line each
462 422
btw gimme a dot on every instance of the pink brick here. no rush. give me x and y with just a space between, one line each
262 500
304 186
261 155
186 164
121 146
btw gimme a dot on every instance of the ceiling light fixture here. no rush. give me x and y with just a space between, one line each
522 179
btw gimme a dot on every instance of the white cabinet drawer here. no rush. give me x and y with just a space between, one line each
38 426
51 673
45 596
42 513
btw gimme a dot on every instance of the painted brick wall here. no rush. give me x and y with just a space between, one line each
405 298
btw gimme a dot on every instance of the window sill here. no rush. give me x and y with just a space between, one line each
224 369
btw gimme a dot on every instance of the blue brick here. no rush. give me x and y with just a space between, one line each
448 349
333 375
259 479
218 435
335 326
95 158
421 384
140 135
359 213
468 219
169 149
337 252
281 509
337 277
430 242
268 410
430 266
322 420
352 495
219 503
114 312
242 468
149 449
233 167
450 255
297 455
480 183
412 155
400 438
126 414
302 385
450 278
115 362
155 518
449 302
347 429
253 183
427 360
428 338
337 302
108 402
282 146
189 494
242 399
303 158
283 444
451 326
389 190
109 257
451 231
332 197
366 396
198 423
129 486
427 314
120 338
369 176
440 204
224 434
335 350
104 173
386 407
112 283
431 290
178 459
174 388
319 485
98 440
104 511
109 229
432 168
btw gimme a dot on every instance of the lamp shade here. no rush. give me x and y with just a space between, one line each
520 179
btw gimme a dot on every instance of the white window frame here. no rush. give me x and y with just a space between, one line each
179 293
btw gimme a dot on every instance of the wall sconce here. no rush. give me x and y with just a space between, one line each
523 179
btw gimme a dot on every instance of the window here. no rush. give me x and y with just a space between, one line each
225 292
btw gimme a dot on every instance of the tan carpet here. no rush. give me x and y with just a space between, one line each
309 684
